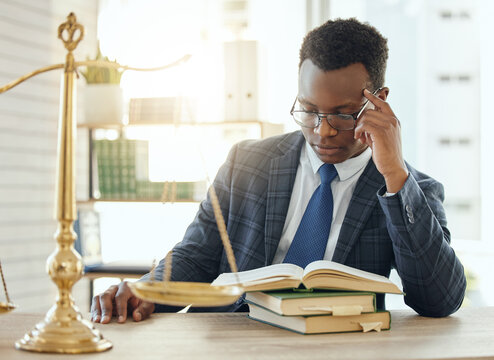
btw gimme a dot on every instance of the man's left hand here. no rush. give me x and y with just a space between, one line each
381 131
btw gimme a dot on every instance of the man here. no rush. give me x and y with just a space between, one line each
382 214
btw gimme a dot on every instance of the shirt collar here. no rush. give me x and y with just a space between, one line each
346 169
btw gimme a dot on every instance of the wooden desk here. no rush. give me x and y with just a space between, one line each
467 334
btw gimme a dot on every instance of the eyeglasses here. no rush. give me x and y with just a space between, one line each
312 119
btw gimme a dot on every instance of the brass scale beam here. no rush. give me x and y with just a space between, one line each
63 329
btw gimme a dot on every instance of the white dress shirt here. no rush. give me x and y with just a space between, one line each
306 182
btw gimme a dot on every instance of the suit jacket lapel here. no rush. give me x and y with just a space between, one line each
282 173
362 203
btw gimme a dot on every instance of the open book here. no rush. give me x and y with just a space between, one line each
321 274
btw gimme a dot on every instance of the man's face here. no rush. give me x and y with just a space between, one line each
335 91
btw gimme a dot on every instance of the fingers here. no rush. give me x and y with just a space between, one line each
106 303
143 310
121 300
373 120
102 305
95 309
379 103
366 125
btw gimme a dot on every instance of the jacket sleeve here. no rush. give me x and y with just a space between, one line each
433 278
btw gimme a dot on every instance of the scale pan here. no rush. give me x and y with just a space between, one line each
6 307
178 293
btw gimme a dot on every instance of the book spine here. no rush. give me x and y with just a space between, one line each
156 190
123 166
131 171
115 169
97 169
104 168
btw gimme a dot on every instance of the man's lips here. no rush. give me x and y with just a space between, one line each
327 150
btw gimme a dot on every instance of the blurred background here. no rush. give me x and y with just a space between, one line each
173 128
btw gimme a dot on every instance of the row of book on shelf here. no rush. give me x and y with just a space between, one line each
121 172
325 297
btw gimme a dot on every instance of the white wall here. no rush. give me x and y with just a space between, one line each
486 10
440 72
279 26
28 141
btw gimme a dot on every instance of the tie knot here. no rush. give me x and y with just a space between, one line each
327 172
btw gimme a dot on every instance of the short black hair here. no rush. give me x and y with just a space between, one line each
343 42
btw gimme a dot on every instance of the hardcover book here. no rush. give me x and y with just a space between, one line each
317 302
319 324
321 274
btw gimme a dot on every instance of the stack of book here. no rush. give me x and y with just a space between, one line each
121 173
120 165
162 110
335 297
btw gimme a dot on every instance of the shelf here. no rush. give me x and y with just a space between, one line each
215 123
267 128
102 126
181 123
97 186
92 201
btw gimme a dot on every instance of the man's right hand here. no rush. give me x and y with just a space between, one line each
119 300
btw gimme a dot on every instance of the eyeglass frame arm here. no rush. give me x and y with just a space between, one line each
325 115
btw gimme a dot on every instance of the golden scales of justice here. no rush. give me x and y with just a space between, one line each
63 329
7 306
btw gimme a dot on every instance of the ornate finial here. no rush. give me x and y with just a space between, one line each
71 28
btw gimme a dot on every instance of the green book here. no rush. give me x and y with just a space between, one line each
132 166
156 189
123 163
185 190
102 149
132 185
319 324
115 174
314 302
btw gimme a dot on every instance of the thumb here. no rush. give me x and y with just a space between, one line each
143 311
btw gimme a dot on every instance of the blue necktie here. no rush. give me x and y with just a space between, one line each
311 238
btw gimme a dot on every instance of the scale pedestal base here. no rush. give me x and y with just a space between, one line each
68 335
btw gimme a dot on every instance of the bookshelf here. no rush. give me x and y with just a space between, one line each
102 168
92 201
117 210
266 128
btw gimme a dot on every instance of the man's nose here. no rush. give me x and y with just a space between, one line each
326 130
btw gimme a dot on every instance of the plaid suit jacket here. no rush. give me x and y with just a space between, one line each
406 231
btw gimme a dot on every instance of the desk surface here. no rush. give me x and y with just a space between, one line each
465 335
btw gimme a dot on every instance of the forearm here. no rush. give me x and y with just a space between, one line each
432 276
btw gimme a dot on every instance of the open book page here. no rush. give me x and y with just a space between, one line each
265 274
330 267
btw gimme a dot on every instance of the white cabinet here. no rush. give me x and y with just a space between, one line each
244 95
449 119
